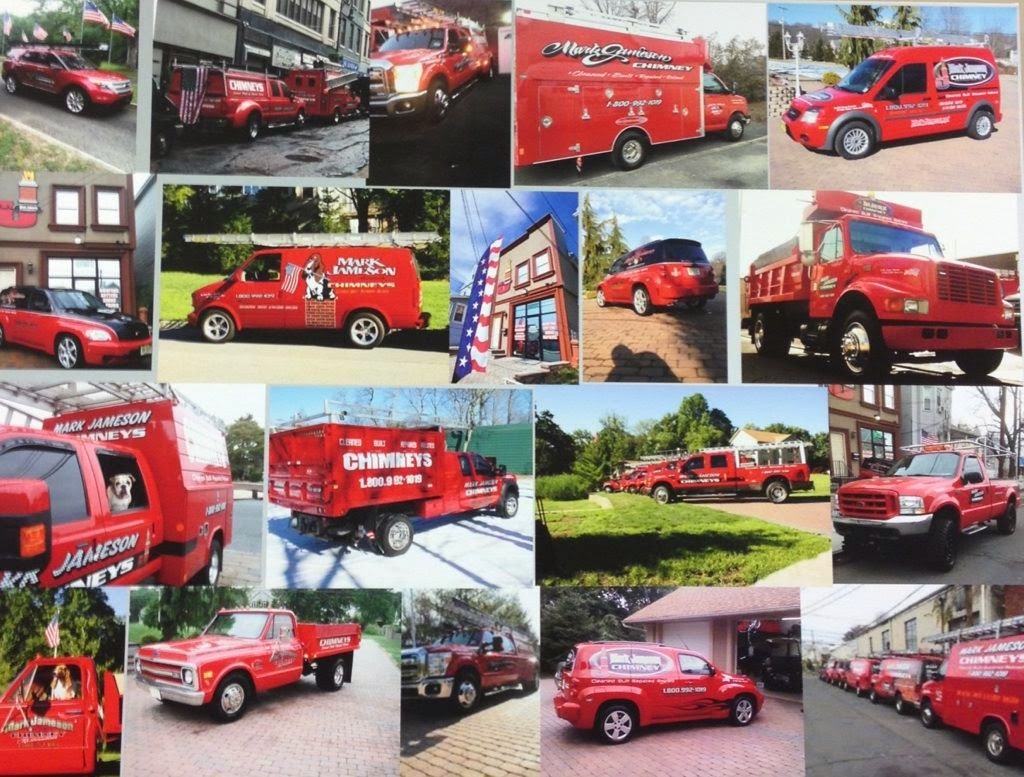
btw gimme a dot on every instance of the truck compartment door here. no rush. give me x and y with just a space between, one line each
561 123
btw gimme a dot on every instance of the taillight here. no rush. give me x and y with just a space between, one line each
33 540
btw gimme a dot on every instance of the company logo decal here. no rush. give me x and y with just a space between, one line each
963 72
88 556
636 662
818 97
398 460
248 87
335 641
350 265
873 207
34 721
101 423
19 579
596 55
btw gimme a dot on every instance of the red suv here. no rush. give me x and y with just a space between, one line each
664 273
65 72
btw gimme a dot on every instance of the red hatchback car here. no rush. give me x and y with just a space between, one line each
663 274
65 72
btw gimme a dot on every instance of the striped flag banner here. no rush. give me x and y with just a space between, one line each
117 24
475 345
928 438
291 279
38 32
193 90
53 632
8 23
92 13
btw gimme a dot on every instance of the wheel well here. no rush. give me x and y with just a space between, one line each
982 106
218 309
989 720
614 702
241 671
440 79
59 335
639 285
468 671
849 302
635 130
876 130
775 479
659 484
948 511
354 313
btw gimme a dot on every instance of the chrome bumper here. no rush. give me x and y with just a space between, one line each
900 525
430 688
168 692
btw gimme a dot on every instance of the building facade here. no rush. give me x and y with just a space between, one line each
189 31
925 414
863 426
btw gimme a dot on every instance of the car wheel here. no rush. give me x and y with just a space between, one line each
210 574
735 128
616 724
531 684
253 125
855 140
981 125
630 150
662 495
11 84
742 711
978 364
777 491
439 101
873 697
466 693
902 708
366 330
928 717
509 502
300 120
231 698
641 301
330 674
996 747
858 350
696 303
217 326
941 547
600 298
75 100
1006 523
69 352
336 116
394 535
161 144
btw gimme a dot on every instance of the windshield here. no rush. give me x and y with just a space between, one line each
77 301
865 75
417 39
868 237
244 625
936 465
471 638
683 251
74 61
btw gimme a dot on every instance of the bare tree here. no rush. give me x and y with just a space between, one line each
654 11
1004 405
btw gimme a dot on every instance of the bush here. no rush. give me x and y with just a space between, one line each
830 78
561 488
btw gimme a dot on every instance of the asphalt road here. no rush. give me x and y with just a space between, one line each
987 555
471 146
849 737
317 149
104 134
705 163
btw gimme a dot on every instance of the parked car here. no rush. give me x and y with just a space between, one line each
661 274
64 72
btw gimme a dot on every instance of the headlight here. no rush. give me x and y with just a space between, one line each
911 505
1008 313
188 676
810 116
98 335
916 306
407 77
437 663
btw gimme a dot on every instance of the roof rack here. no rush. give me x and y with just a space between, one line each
760 452
569 13
916 37
318 239
992 629
978 445
470 615
335 412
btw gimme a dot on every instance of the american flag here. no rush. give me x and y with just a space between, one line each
53 632
8 24
475 346
67 35
92 13
193 90
117 24
928 438
291 278
38 32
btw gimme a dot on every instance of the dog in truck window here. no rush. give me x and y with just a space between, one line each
318 287
119 492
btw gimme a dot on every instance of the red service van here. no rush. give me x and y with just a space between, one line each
326 92
598 84
900 679
661 274
860 675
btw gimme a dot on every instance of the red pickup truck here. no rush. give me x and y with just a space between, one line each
65 72
65 734
71 325
465 665
614 688
931 496
245 652
662 274
344 480
117 492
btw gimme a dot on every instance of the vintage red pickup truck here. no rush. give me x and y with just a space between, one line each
41 733
614 688
353 482
465 665
246 652
115 491
931 496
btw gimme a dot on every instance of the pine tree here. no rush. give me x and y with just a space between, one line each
853 51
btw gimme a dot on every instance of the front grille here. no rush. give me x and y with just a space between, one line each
135 331
867 505
971 285
161 671
793 113
122 87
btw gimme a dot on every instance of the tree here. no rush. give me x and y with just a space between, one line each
654 11
595 259
371 606
554 449
185 611
615 242
775 43
245 449
740 62
906 17
853 51
432 612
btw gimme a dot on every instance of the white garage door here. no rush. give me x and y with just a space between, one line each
691 635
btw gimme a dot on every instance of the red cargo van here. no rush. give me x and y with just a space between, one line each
860 675
661 274
599 84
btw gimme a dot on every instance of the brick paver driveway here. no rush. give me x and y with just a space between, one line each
498 740
665 347
770 746
295 731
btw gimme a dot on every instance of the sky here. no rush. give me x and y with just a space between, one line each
117 598
502 214
228 402
965 224
969 409
827 613
581 407
647 215
981 18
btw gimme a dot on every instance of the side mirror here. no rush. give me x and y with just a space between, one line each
972 478
805 241
502 470
25 513
887 93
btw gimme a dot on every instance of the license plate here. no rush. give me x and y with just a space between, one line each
155 693
146 350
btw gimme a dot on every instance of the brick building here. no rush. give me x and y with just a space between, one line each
863 423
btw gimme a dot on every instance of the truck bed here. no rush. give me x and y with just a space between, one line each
328 639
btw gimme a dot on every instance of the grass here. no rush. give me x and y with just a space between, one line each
393 647
139 631
27 152
130 73
641 542
176 296
819 493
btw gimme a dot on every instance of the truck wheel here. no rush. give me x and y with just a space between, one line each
394 535
858 350
977 364
735 128
980 126
75 100
742 711
608 489
366 330
217 326
253 125
630 151
466 693
300 120
231 698
852 548
777 491
770 335
68 351
3 337
330 675
941 544
873 697
11 84
996 747
616 723
600 298
902 708
509 502
210 574
533 683
641 301
439 101
662 495
854 141
928 717
1007 522
336 116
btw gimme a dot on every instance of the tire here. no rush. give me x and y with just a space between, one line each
662 495
336 116
735 128
75 101
439 101
742 711
858 350
365 330
1005 523
253 126
161 144
616 723
68 351
941 545
600 298
980 125
858 692
488 73
607 489
630 150
997 748
901 707
509 502
300 120
770 335
11 84
696 303
855 140
852 547
217 326
210 574
642 301
873 697
928 717
3 337
777 491
394 535
532 684
330 675
466 693
978 364
232 697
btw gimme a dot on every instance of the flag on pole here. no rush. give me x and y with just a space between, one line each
475 344
8 24
67 35
38 32
53 632
92 13
193 90
117 24
928 438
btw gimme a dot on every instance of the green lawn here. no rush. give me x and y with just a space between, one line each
176 296
642 542
393 647
138 631
21 151
820 492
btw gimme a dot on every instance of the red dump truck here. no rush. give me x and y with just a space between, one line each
349 481
864 283
120 486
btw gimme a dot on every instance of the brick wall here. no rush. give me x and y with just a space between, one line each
1013 600
320 314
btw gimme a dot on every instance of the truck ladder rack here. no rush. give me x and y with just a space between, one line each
335 412
570 14
320 239
978 445
994 629
916 37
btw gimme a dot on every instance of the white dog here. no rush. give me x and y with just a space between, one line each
119 492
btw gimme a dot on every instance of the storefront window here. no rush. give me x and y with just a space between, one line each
536 331
876 443
100 277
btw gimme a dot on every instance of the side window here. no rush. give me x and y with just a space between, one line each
694 463
282 628
464 466
832 245
482 465
616 267
123 481
719 461
60 470
714 85
266 267
275 89
972 465
509 645
37 301
693 665
909 79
